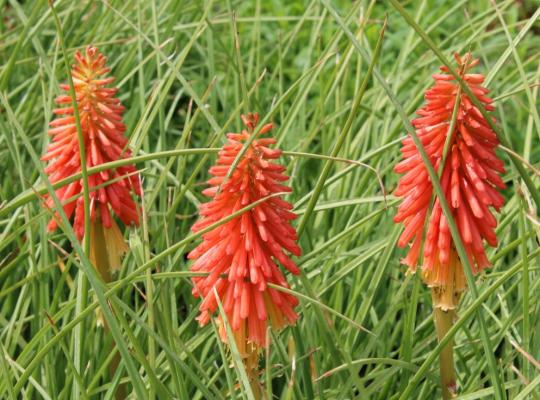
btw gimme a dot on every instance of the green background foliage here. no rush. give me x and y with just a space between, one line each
184 86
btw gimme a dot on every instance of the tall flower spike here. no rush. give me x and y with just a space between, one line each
470 179
103 132
100 115
241 255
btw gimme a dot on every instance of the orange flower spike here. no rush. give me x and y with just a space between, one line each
240 255
104 141
470 179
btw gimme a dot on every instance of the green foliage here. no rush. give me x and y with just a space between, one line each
365 328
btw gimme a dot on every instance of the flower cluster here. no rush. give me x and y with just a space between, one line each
240 255
247 237
103 132
470 179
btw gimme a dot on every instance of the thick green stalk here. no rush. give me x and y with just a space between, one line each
101 245
443 322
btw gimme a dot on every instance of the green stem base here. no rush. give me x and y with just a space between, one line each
443 322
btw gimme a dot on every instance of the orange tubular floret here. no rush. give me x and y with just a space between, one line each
242 255
470 179
104 141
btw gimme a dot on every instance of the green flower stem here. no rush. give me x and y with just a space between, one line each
444 320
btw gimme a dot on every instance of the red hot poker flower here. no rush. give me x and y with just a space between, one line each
470 179
103 131
241 254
